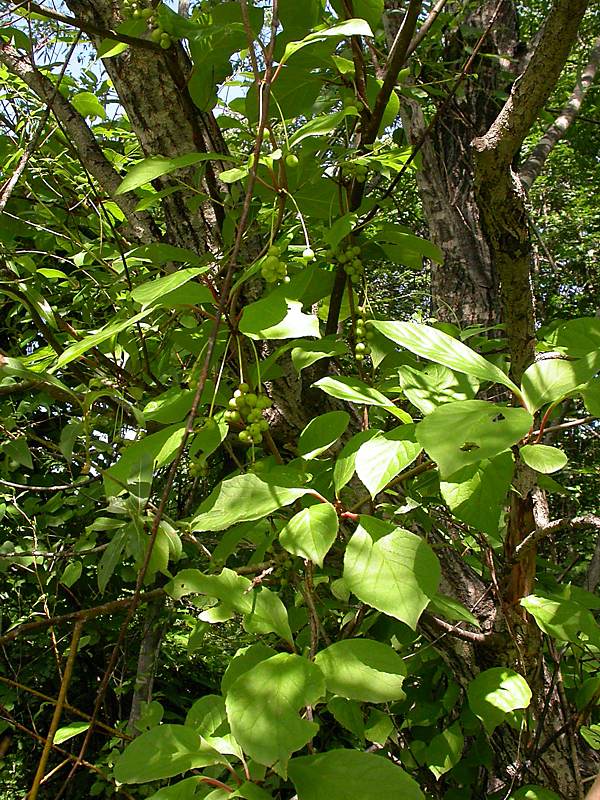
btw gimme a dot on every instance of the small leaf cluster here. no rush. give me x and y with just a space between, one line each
245 409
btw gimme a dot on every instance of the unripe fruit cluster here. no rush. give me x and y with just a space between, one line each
350 259
245 409
273 269
139 10
362 335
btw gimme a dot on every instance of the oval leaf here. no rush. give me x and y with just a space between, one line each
495 693
543 458
361 669
311 532
397 574
263 705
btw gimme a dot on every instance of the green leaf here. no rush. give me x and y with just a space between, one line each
93 340
351 27
322 125
262 609
335 775
591 734
478 493
158 449
345 464
311 532
154 292
111 557
552 379
69 731
349 714
354 390
543 458
156 166
369 10
434 385
469 431
397 574
162 752
321 433
274 317
244 659
307 353
451 609
182 790
445 750
362 669
88 105
575 338
240 499
384 456
533 793
495 693
71 574
438 346
263 704
565 620
591 397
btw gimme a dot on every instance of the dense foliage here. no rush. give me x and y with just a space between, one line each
271 526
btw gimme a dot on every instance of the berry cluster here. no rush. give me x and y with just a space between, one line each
273 269
139 10
362 335
350 259
245 409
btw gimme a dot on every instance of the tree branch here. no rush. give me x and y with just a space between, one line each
536 159
82 138
92 29
572 523
531 90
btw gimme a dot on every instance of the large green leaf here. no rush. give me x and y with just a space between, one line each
244 659
76 350
362 669
384 456
345 464
371 10
543 458
240 499
306 353
552 379
348 774
154 292
157 166
478 493
274 317
435 384
322 125
322 432
262 609
158 448
397 574
576 338
495 693
350 27
565 620
311 532
468 431
435 345
162 752
353 390
263 705
445 750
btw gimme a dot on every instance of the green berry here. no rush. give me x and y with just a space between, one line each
165 41
360 357
262 401
245 437
156 35
292 161
251 400
360 348
263 425
232 404
308 254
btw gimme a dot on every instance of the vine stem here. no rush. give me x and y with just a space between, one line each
58 709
